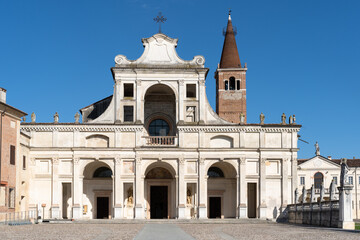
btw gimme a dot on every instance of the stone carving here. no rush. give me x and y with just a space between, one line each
24 119
344 173
283 119
322 192
33 117
56 118
294 119
312 193
77 117
242 118
296 195
303 195
242 160
190 114
188 196
130 199
291 120
262 118
138 83
202 82
332 190
76 160
317 149
55 160
181 82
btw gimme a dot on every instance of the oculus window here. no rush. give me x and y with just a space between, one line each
159 127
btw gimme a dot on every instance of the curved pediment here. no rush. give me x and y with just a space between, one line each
160 51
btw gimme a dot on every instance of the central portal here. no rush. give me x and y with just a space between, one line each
215 207
158 202
102 208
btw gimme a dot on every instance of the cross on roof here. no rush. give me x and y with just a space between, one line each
160 19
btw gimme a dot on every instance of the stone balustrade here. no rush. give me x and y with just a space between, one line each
160 140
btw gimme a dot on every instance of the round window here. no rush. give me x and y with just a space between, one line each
159 127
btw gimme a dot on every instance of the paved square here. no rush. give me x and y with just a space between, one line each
171 229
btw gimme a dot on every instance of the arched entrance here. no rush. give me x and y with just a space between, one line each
97 197
160 111
221 190
160 191
318 180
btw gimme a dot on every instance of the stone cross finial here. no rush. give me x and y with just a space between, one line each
160 19
77 117
317 149
56 118
283 119
262 118
303 195
33 117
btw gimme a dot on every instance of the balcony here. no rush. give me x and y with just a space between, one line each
160 140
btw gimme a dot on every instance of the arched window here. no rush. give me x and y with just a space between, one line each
226 85
102 172
159 127
215 172
232 83
318 179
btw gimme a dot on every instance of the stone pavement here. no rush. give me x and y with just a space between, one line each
172 229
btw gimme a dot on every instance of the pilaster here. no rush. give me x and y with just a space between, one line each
203 189
243 189
55 189
262 192
284 183
181 189
139 190
77 189
118 189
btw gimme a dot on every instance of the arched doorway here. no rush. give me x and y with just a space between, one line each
318 180
221 190
97 197
160 191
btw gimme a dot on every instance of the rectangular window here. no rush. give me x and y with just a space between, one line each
302 180
191 90
11 197
24 162
2 195
351 180
335 180
226 85
238 84
128 90
128 113
12 155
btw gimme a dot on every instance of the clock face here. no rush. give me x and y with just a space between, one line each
317 163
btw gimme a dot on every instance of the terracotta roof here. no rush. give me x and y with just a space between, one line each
352 162
230 56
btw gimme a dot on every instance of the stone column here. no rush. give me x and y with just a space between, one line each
202 100
139 190
345 207
181 103
77 190
118 189
294 176
139 103
243 189
262 189
203 189
284 184
117 105
181 189
56 191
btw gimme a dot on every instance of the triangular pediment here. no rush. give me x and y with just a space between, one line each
159 50
319 162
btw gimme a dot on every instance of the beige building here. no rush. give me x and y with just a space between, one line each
319 170
156 148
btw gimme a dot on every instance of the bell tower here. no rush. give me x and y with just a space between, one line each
230 80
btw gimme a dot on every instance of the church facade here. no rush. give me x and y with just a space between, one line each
156 148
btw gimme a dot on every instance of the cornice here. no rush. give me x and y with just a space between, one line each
80 128
234 129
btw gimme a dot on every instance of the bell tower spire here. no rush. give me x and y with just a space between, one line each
230 79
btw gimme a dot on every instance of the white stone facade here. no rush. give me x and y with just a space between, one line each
160 169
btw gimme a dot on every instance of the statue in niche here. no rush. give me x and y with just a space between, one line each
188 196
56 118
242 118
130 197
190 114
262 118
283 119
33 117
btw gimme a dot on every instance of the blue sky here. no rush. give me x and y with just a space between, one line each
302 56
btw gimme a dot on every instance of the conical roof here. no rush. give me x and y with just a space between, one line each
230 56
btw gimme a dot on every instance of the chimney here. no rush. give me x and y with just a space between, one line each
329 157
2 95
